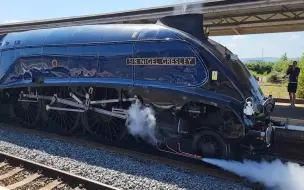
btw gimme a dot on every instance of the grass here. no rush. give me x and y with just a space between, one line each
277 91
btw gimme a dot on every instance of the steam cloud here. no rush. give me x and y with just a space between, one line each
274 174
180 9
185 4
142 122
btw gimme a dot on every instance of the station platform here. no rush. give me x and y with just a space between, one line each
294 116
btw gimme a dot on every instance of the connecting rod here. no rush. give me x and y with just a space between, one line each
82 107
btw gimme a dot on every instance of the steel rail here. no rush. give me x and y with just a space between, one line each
211 171
199 168
55 173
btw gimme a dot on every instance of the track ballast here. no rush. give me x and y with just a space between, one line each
19 173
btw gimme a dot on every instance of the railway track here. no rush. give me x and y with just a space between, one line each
284 150
17 173
194 166
191 166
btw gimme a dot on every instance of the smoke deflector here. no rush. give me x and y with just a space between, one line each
190 23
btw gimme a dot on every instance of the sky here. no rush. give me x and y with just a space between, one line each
245 46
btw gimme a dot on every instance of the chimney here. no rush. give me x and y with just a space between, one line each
190 23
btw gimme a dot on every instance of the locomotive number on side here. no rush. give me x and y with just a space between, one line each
185 61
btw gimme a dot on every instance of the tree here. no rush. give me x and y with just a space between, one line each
284 57
282 65
259 67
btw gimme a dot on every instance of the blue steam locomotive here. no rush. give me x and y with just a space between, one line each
206 102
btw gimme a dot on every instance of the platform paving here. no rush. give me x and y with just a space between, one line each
293 118
294 115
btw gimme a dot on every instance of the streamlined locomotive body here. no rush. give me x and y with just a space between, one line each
206 102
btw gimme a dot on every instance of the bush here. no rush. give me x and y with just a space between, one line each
275 71
260 68
281 66
300 91
274 77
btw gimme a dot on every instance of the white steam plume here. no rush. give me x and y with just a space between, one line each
273 174
184 5
180 9
142 122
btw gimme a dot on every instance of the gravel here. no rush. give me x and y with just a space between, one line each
113 169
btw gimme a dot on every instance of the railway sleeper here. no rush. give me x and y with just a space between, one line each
26 174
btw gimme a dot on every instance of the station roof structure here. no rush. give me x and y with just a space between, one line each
221 17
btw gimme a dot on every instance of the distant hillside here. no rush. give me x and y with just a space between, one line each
266 59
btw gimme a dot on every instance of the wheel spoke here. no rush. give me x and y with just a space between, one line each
27 113
103 126
65 122
210 144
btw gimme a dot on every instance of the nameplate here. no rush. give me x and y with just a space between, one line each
176 61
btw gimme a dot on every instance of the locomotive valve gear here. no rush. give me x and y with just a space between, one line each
91 90
76 98
37 96
21 95
87 102
47 107
54 99
120 111
136 100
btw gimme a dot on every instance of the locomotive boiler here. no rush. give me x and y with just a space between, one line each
206 102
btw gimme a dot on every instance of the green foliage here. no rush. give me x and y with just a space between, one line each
300 91
275 77
284 57
276 70
281 66
261 68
